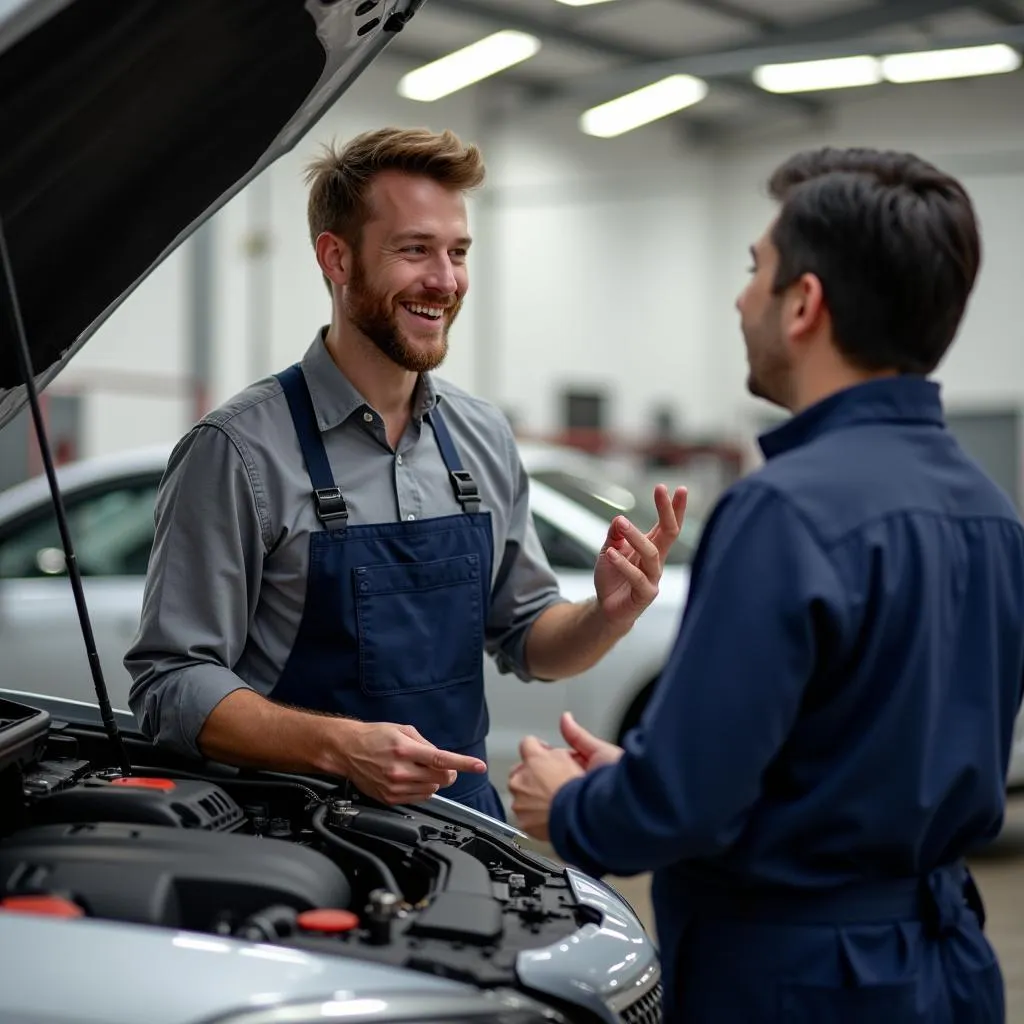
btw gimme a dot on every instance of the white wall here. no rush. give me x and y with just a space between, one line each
610 262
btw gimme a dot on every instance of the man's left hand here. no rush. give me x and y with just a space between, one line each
535 781
630 565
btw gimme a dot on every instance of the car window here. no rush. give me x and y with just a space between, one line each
111 528
608 500
563 550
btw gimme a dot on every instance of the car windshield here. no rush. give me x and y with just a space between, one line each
607 500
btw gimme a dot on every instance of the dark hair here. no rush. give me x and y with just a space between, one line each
894 242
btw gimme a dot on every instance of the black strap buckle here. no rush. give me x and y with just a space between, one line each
466 491
330 504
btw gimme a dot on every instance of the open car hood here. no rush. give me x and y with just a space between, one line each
125 125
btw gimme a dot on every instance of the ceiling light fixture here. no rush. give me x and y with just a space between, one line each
963 62
812 75
899 68
582 3
669 96
464 67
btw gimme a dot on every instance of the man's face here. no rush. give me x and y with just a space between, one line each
761 319
409 275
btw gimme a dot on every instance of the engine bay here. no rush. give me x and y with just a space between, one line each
266 857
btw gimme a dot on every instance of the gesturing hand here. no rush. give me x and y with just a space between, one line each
535 781
588 751
631 563
395 764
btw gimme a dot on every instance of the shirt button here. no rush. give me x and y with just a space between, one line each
410 517
398 459
368 416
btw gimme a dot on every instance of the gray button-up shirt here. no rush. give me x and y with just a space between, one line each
227 577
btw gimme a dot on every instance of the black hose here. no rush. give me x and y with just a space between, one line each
387 879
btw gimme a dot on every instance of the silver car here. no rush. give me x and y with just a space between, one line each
134 885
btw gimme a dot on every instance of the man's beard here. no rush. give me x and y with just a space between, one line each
373 315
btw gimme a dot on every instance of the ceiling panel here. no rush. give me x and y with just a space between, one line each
440 30
667 25
801 10
963 24
556 61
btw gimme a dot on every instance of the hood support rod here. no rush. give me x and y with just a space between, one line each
70 559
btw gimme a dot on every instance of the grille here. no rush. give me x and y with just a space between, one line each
646 1010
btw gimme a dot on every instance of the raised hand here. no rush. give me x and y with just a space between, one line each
630 565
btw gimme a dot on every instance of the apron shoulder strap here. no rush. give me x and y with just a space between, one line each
330 504
466 491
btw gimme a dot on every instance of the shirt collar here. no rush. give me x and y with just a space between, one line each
905 399
335 398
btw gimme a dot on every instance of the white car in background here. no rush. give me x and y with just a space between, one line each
109 502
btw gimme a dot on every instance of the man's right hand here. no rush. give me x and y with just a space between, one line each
391 763
395 764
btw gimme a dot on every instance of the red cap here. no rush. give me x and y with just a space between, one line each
48 906
166 785
327 920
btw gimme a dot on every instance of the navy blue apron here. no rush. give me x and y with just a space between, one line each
903 951
393 624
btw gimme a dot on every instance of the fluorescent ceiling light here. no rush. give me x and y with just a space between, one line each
964 62
472 63
581 3
812 75
670 95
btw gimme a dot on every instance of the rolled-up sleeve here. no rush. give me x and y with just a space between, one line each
763 595
201 589
525 585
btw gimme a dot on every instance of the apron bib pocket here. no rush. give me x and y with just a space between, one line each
419 623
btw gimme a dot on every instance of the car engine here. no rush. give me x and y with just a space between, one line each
273 858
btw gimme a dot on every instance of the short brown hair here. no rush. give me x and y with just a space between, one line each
339 179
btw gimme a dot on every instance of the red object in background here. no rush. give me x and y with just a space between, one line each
44 906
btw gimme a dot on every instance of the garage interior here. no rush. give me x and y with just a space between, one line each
606 260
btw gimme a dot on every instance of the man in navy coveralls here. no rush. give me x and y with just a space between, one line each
832 732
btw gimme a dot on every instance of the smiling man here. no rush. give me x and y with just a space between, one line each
337 546
830 736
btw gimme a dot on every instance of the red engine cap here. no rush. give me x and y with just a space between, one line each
48 906
166 785
327 920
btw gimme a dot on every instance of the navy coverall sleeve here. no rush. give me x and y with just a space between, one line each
764 601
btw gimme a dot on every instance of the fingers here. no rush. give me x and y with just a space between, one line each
644 589
402 774
576 736
426 754
671 514
646 550
445 760
530 746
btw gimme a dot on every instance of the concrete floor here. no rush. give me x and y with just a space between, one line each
1000 876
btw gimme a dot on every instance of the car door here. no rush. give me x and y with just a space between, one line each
41 644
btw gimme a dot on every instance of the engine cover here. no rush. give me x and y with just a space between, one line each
168 876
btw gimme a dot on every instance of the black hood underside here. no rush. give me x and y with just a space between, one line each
125 123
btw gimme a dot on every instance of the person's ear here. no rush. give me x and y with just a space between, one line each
335 257
805 306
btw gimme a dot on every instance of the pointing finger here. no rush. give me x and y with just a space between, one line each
443 760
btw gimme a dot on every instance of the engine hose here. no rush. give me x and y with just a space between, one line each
383 871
